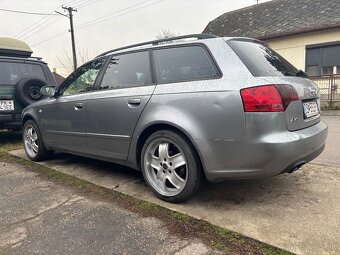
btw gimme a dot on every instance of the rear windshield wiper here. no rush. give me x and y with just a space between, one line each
299 73
285 73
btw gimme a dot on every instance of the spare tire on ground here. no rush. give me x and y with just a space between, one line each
28 90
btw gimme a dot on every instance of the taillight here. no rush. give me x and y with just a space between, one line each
269 98
288 94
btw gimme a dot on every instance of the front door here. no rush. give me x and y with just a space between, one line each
63 117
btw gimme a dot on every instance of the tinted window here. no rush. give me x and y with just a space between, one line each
11 73
130 70
82 80
183 64
261 60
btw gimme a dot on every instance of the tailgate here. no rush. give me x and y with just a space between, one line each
306 111
8 104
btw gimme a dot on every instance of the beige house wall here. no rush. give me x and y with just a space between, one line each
293 47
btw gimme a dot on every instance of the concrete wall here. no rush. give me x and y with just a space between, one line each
293 47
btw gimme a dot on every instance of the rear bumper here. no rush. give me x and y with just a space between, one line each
10 120
267 155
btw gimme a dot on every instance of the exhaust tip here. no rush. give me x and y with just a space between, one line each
296 167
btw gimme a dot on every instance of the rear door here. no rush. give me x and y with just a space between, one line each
112 111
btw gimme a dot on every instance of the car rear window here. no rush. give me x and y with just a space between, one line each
184 63
11 73
261 60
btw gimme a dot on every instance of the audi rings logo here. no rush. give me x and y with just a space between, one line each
313 91
310 91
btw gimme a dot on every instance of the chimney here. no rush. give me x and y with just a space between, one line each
54 70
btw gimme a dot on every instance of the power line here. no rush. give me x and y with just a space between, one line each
109 16
37 25
47 19
31 13
87 24
50 38
75 3
88 3
40 28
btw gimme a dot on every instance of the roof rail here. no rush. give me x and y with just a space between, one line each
20 57
156 42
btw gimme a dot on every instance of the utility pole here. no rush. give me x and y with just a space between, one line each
70 16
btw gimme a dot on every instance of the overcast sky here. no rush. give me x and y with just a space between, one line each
127 22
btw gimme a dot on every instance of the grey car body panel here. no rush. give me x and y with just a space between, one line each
256 155
65 128
116 113
230 142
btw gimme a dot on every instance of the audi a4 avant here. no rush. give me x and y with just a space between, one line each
182 110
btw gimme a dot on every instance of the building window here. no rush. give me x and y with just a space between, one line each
313 70
323 60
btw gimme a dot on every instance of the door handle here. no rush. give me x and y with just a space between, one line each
133 102
78 106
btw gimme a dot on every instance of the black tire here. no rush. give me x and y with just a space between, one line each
41 153
28 90
194 172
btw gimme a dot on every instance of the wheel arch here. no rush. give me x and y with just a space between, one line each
149 130
27 114
26 118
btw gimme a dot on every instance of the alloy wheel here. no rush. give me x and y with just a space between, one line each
31 141
166 167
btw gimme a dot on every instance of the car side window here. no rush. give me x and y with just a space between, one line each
128 70
82 80
184 63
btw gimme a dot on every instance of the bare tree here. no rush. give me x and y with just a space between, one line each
165 33
66 61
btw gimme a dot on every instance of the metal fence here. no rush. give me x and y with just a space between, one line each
329 87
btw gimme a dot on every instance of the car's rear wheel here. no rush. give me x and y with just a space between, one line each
33 143
171 166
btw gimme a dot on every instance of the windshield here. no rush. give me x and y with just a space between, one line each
261 60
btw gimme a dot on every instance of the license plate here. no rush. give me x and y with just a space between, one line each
310 109
6 105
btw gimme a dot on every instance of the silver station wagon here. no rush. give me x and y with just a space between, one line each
183 110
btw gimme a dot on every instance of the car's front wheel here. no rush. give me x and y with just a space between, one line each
33 143
170 166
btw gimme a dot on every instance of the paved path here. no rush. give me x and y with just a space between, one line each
40 217
331 154
298 212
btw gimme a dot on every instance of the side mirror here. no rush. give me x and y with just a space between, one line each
48 90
